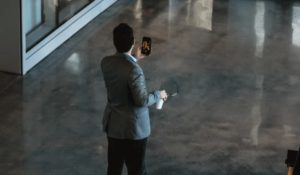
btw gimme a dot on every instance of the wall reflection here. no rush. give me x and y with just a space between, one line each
256 111
73 64
199 13
138 10
260 28
173 10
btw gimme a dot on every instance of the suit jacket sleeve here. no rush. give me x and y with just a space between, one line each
138 89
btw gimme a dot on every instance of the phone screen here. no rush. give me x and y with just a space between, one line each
146 46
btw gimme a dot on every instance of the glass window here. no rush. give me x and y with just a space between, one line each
44 16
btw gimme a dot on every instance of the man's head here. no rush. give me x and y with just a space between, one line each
123 37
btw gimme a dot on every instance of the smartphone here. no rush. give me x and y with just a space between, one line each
146 46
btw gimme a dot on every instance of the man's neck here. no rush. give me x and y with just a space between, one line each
129 52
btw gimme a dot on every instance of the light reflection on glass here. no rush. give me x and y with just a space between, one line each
296 25
259 28
73 64
199 13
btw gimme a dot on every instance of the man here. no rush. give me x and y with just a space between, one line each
126 116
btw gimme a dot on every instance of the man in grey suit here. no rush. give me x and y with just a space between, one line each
126 116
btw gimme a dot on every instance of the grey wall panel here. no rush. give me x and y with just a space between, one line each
10 34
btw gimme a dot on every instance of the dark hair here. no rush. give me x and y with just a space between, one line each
123 37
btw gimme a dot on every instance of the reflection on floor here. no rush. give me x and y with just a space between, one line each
236 113
7 80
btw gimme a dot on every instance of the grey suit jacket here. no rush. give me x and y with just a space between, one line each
126 114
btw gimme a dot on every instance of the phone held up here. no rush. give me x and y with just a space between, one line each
146 46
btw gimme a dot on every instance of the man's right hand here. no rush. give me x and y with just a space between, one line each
163 95
138 54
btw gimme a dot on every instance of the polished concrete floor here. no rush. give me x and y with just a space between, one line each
237 64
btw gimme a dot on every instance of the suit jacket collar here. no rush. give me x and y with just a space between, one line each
132 58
